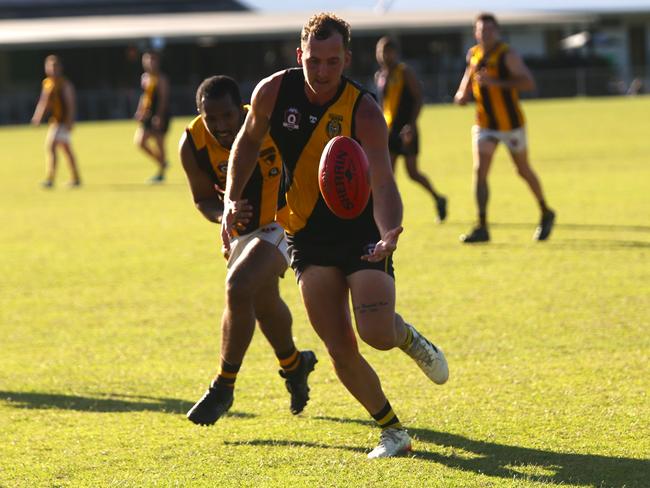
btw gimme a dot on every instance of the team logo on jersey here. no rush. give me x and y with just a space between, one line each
268 155
274 172
334 127
291 119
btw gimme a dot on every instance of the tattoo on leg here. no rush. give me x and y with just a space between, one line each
369 307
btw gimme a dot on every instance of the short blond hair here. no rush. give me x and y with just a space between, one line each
323 25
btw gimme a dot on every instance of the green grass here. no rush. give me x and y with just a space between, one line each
110 298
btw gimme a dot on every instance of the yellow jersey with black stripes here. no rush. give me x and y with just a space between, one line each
261 191
56 104
396 97
497 108
301 130
150 93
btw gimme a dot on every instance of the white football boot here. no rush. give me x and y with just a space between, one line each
428 357
392 442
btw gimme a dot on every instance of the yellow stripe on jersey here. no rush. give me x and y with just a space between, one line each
56 104
261 191
149 101
393 93
496 108
303 193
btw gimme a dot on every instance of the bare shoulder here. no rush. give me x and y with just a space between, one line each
266 93
369 117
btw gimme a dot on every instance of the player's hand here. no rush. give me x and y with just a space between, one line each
36 121
385 247
460 99
407 134
236 214
483 79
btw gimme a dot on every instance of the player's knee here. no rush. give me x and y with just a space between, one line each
239 289
378 338
343 353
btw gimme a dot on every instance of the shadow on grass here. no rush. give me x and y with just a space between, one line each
285 443
113 402
504 461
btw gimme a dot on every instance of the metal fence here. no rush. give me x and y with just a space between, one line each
103 104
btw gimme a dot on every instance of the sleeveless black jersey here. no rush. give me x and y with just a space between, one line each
301 130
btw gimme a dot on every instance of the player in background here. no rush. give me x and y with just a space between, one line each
401 99
257 256
495 75
59 99
153 114
303 108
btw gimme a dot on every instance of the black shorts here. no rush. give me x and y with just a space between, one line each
346 256
147 124
397 147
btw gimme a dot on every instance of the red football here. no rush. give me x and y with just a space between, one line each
343 177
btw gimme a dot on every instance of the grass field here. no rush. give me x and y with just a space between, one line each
110 298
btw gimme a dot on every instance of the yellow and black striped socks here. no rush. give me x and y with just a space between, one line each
227 374
386 418
289 360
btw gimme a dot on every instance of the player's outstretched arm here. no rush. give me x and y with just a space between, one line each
243 155
371 130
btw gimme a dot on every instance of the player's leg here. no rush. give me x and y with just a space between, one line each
274 319
324 292
250 270
483 152
50 156
373 300
547 219
75 179
416 175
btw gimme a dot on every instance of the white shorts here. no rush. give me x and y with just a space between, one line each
59 133
272 233
515 139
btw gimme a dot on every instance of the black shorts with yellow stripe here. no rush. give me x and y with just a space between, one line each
344 256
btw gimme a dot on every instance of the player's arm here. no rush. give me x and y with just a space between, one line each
245 149
520 76
415 88
139 111
70 101
464 92
371 130
163 101
204 193
41 106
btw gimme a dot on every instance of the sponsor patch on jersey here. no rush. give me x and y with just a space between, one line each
291 119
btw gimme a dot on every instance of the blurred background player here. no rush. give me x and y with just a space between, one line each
58 98
153 114
335 259
495 75
258 255
401 98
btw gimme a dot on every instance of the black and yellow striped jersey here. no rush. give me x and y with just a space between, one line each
150 93
496 108
261 191
396 97
301 130
56 105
